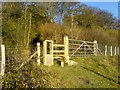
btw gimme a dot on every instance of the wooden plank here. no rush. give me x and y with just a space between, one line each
80 44
81 41
58 51
82 53
59 55
58 45
81 48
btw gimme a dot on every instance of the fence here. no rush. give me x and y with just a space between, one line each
17 57
80 48
14 59
108 50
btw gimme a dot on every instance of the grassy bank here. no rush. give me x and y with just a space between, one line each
88 73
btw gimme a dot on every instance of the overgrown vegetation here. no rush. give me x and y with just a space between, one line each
25 24
30 76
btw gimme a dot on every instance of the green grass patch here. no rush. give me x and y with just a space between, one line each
88 73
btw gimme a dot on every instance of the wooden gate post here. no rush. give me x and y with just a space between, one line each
95 48
2 60
38 51
48 57
66 49
84 49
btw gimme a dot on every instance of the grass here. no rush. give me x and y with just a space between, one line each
88 73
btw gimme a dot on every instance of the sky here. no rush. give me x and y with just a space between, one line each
111 7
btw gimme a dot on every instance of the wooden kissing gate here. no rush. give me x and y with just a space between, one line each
52 52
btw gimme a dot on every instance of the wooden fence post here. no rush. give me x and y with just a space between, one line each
66 52
115 51
2 60
95 48
105 50
44 52
111 51
38 51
